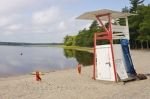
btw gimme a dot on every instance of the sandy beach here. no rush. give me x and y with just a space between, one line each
68 84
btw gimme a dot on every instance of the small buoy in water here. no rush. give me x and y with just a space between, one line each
79 68
37 76
21 53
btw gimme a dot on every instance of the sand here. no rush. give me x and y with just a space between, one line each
68 84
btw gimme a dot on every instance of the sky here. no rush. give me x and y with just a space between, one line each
48 21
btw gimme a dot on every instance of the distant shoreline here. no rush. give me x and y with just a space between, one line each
27 44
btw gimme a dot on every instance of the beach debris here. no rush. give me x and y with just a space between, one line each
79 68
141 76
148 74
37 75
21 54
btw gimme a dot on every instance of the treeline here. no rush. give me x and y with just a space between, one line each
139 27
27 44
84 37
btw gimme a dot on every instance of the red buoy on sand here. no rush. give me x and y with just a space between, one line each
38 78
79 68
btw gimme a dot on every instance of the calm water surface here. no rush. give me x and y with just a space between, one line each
19 60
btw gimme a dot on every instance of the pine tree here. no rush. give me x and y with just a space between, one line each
135 4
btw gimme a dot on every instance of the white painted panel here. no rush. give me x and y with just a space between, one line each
117 29
104 64
119 61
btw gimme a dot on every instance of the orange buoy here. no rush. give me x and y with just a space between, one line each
38 78
79 68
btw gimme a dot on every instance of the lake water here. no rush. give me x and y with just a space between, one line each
19 60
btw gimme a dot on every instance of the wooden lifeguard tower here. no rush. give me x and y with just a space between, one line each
110 60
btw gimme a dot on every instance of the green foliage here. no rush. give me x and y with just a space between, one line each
140 24
145 24
84 37
69 40
135 4
69 53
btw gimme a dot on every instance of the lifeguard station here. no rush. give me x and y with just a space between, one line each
111 61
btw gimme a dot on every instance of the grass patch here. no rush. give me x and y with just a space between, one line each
87 49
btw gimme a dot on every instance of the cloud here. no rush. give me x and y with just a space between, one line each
72 26
32 21
5 20
14 27
11 24
7 33
47 16
11 6
62 26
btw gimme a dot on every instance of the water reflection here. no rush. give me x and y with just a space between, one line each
82 57
18 60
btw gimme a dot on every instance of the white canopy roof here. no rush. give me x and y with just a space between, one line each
114 14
